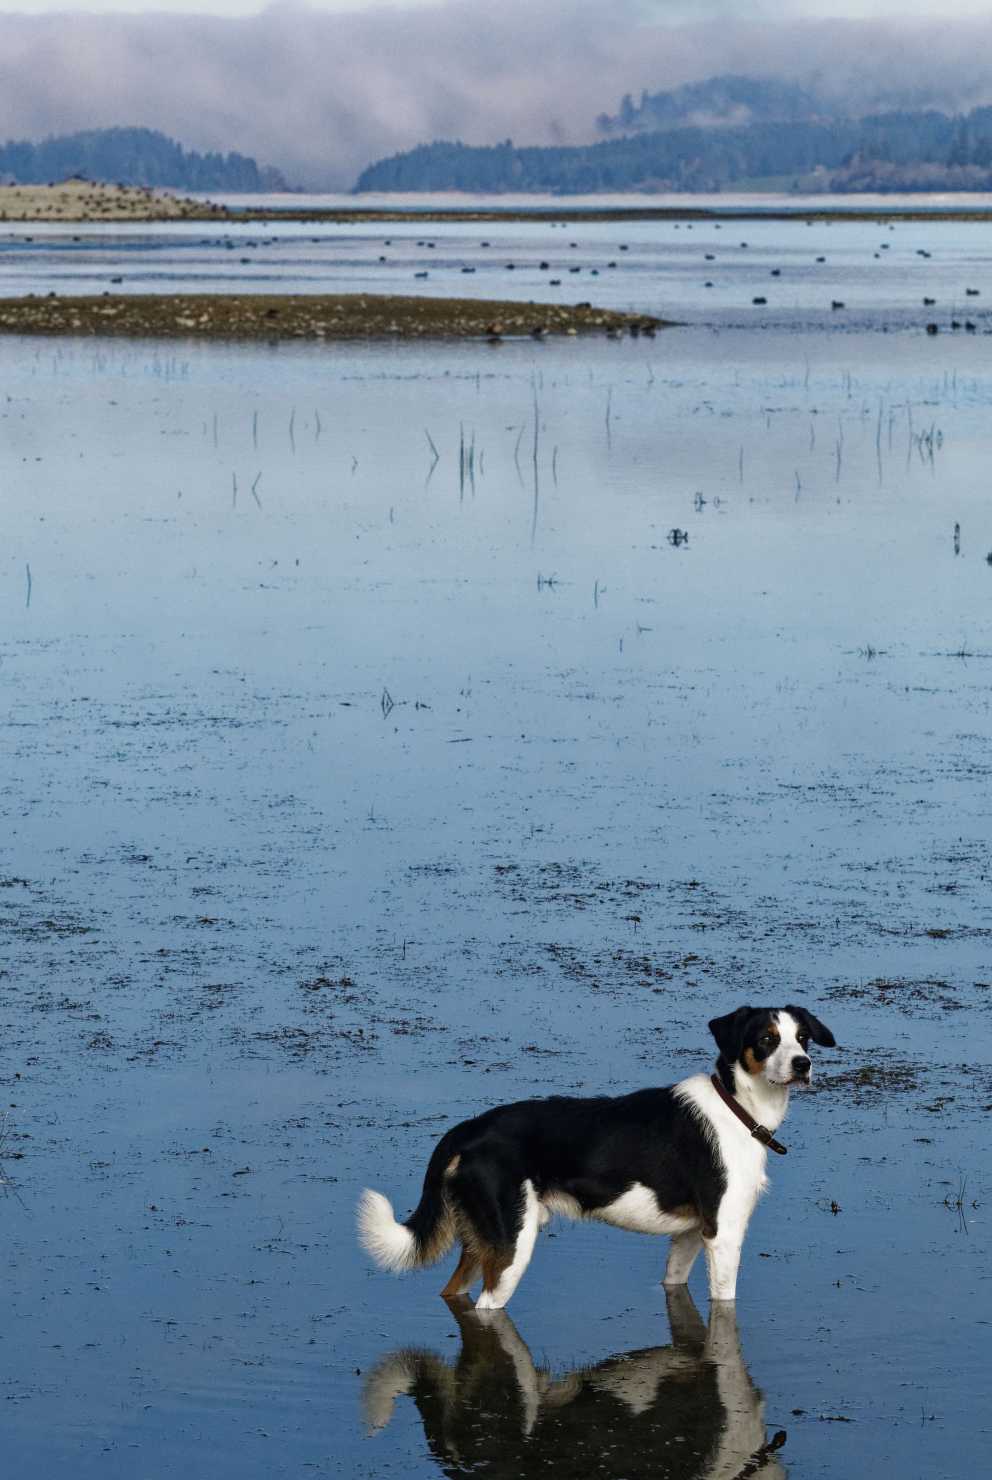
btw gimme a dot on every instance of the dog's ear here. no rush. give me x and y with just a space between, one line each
729 1033
817 1031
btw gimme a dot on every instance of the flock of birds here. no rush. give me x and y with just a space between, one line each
558 270
758 300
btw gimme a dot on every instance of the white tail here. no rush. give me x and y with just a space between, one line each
390 1244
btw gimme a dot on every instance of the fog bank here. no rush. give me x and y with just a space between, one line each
322 94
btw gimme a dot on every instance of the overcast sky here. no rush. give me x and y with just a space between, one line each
672 10
320 90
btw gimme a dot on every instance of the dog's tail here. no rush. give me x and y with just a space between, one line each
427 1234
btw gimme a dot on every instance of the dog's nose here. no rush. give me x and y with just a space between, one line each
801 1065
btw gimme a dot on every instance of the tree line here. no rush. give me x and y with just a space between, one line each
729 99
131 156
892 151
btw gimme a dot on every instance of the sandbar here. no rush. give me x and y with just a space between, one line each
254 316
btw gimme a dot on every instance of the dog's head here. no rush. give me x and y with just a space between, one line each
771 1041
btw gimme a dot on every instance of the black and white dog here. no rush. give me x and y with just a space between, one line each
688 1161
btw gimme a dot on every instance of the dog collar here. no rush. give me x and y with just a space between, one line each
759 1132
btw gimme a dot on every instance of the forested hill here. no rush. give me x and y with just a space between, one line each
891 151
729 99
131 156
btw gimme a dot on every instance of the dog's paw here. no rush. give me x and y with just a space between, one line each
489 1300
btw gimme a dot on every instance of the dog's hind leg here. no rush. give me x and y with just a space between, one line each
464 1276
682 1256
502 1269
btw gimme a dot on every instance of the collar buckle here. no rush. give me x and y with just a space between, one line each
759 1132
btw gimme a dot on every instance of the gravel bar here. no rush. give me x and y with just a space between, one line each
309 316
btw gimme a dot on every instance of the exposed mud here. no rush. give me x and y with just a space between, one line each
309 316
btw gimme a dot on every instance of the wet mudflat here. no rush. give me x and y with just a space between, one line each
388 734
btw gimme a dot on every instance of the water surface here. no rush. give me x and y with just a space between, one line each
838 275
347 791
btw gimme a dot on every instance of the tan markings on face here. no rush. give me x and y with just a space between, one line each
770 1041
452 1166
752 1064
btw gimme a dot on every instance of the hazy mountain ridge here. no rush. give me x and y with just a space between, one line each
720 102
926 150
132 156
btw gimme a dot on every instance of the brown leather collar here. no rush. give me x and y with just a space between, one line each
759 1132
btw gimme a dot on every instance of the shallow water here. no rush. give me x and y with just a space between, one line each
879 275
346 792
724 202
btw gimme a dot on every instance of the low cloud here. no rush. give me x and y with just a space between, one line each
322 94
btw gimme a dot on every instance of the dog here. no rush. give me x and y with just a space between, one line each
493 1408
687 1161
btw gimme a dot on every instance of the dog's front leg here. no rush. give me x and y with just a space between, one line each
723 1244
682 1256
723 1257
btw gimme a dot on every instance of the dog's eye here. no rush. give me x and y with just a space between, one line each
802 1039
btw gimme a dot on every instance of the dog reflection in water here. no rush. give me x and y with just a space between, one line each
689 1411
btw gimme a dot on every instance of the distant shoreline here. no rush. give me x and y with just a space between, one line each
314 317
631 214
79 203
